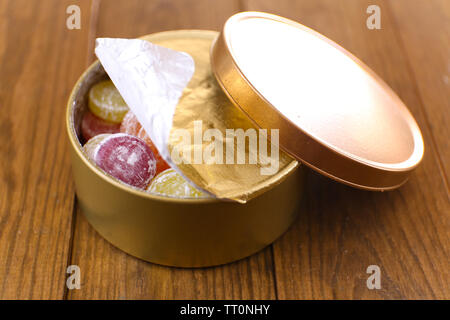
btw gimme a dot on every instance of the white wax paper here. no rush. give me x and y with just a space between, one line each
150 79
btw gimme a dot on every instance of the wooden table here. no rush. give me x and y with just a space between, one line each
340 230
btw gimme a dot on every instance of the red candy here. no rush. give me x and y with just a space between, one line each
131 125
126 158
92 126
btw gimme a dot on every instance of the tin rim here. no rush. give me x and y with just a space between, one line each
76 145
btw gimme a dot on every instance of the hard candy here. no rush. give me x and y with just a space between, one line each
92 126
171 183
131 125
125 157
106 102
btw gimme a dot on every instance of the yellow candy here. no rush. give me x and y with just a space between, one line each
170 183
106 102
91 146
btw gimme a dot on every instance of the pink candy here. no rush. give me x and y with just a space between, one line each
126 158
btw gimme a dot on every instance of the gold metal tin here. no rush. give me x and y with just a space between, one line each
169 231
204 101
380 145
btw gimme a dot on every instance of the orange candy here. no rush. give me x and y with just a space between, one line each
131 125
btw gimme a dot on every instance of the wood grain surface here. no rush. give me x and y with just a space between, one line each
39 62
340 231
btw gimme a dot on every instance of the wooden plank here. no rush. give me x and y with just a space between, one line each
424 31
134 18
341 231
40 60
108 273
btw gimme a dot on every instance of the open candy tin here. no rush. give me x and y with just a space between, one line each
263 71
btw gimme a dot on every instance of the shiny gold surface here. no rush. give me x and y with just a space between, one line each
333 112
203 100
175 232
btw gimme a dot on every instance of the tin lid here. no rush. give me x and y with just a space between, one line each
333 112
